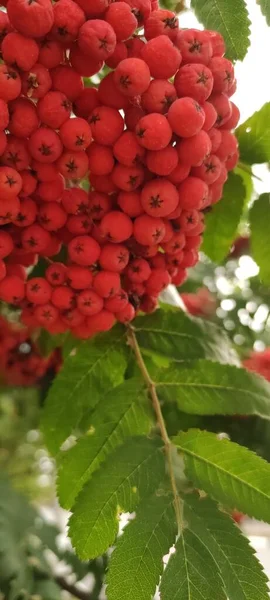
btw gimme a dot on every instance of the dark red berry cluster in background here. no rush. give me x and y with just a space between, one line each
153 139
21 362
259 362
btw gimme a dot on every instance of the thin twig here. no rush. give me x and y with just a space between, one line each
72 589
160 420
247 169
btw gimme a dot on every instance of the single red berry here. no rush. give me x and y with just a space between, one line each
21 52
217 42
102 321
234 118
175 244
27 213
209 170
114 257
228 145
189 220
106 284
194 46
51 53
56 274
120 53
89 303
72 317
35 238
73 165
153 131
132 116
5 25
148 304
141 9
210 115
12 289
68 18
75 201
75 134
65 79
34 19
193 150
38 290
99 205
79 278
10 83
158 281
24 119
130 203
223 108
148 230
138 270
110 95
54 109
215 137
161 22
186 117
126 315
193 193
162 57
16 153
46 314
223 73
127 179
116 303
79 224
116 226
162 162
97 39
86 102
127 150
106 125
52 216
10 183
159 96
179 173
36 82
122 19
51 191
83 250
159 198
102 183
101 159
63 298
194 80
82 63
132 76
45 146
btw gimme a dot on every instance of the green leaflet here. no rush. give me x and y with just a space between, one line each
230 18
254 137
96 367
265 8
130 474
204 387
192 573
123 412
230 473
178 337
259 217
137 562
241 572
223 220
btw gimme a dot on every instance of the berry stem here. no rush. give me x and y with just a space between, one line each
247 169
160 421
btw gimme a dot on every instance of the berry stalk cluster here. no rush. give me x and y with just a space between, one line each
153 138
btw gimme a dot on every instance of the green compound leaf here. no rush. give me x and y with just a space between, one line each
230 473
192 573
123 412
265 8
96 367
175 336
230 18
208 388
130 474
259 217
241 572
254 137
137 562
223 220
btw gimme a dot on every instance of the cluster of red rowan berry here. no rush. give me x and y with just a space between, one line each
153 139
21 362
259 362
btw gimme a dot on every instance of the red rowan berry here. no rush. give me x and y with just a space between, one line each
33 19
193 150
106 125
120 53
72 318
159 198
133 47
26 214
141 9
6 244
114 257
99 205
83 250
162 57
86 102
116 303
215 192
197 229
9 210
54 109
12 289
169 231
106 284
66 80
20 51
102 321
35 238
38 290
63 297
10 83
44 172
180 277
194 80
132 116
83 64
3 270
158 281
24 119
148 304
36 82
101 159
186 117
79 224
132 76
193 193
162 162
135 290
223 108
3 141
189 220
126 314
153 132
234 118
79 278
89 303
210 115
116 226
232 89
56 274
223 73
5 25
190 259
10 183
16 153
159 261
51 53
210 169
194 46
17 270
161 22
51 216
102 183
232 161
46 314
97 39
110 95
73 165
148 230
179 173
217 42
68 18
130 203
45 145
121 18
127 150
228 145
175 244
51 191
75 201
127 179
193 242
75 134
138 270
215 137
159 96
93 9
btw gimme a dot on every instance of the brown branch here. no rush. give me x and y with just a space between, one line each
71 588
